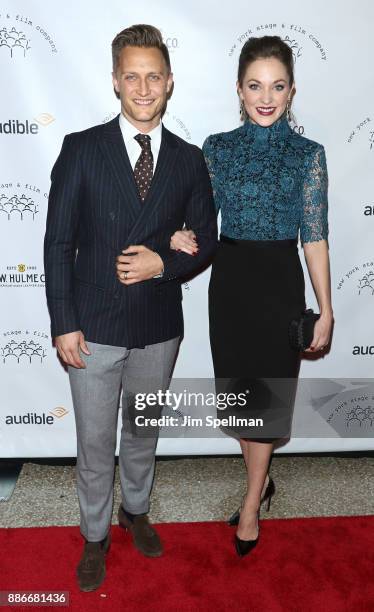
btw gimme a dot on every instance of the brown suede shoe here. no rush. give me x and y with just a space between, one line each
145 537
91 567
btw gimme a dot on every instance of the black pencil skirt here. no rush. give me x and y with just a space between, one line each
256 288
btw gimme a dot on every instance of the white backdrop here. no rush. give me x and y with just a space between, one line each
55 63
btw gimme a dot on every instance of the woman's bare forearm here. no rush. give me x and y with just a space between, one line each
318 263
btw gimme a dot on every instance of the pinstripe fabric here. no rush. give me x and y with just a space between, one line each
94 211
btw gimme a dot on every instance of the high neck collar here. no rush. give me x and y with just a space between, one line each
276 131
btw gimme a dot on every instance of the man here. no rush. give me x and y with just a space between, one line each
118 193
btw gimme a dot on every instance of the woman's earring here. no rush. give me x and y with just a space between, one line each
242 110
288 110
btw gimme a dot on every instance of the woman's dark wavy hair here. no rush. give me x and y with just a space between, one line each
263 48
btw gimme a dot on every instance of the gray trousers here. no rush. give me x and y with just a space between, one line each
96 393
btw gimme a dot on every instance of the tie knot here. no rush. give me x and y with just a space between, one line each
144 140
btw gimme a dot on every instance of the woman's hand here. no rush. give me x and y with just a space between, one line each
322 333
184 240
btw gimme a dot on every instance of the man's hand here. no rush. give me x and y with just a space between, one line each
138 263
68 346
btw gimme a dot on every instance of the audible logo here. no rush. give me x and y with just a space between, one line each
44 118
363 350
31 418
13 126
59 412
369 210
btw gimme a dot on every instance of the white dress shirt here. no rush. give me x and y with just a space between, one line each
133 148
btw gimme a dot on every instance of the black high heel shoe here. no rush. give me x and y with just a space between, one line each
243 547
269 492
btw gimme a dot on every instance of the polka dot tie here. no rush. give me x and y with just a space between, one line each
143 170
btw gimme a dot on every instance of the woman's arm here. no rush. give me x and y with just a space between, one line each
318 263
313 235
185 240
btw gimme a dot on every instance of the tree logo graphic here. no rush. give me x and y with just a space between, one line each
23 351
366 282
14 42
360 415
295 47
20 207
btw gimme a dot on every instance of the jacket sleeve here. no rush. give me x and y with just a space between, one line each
201 218
60 238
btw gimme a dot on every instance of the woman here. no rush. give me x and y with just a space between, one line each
269 183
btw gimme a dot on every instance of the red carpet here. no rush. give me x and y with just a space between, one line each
300 565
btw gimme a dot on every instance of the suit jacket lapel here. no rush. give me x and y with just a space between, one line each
167 158
114 151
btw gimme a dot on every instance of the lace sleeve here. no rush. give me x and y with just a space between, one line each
208 155
314 224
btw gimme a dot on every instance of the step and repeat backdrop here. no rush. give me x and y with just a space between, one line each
55 63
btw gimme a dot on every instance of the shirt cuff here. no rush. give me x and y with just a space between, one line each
161 274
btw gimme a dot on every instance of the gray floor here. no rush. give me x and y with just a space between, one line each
204 489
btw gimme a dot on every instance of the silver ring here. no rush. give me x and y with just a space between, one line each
124 275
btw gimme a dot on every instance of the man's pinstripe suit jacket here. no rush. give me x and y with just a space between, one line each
94 212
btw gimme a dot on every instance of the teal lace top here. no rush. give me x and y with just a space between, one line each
269 183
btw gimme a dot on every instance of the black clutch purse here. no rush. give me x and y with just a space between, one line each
301 330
